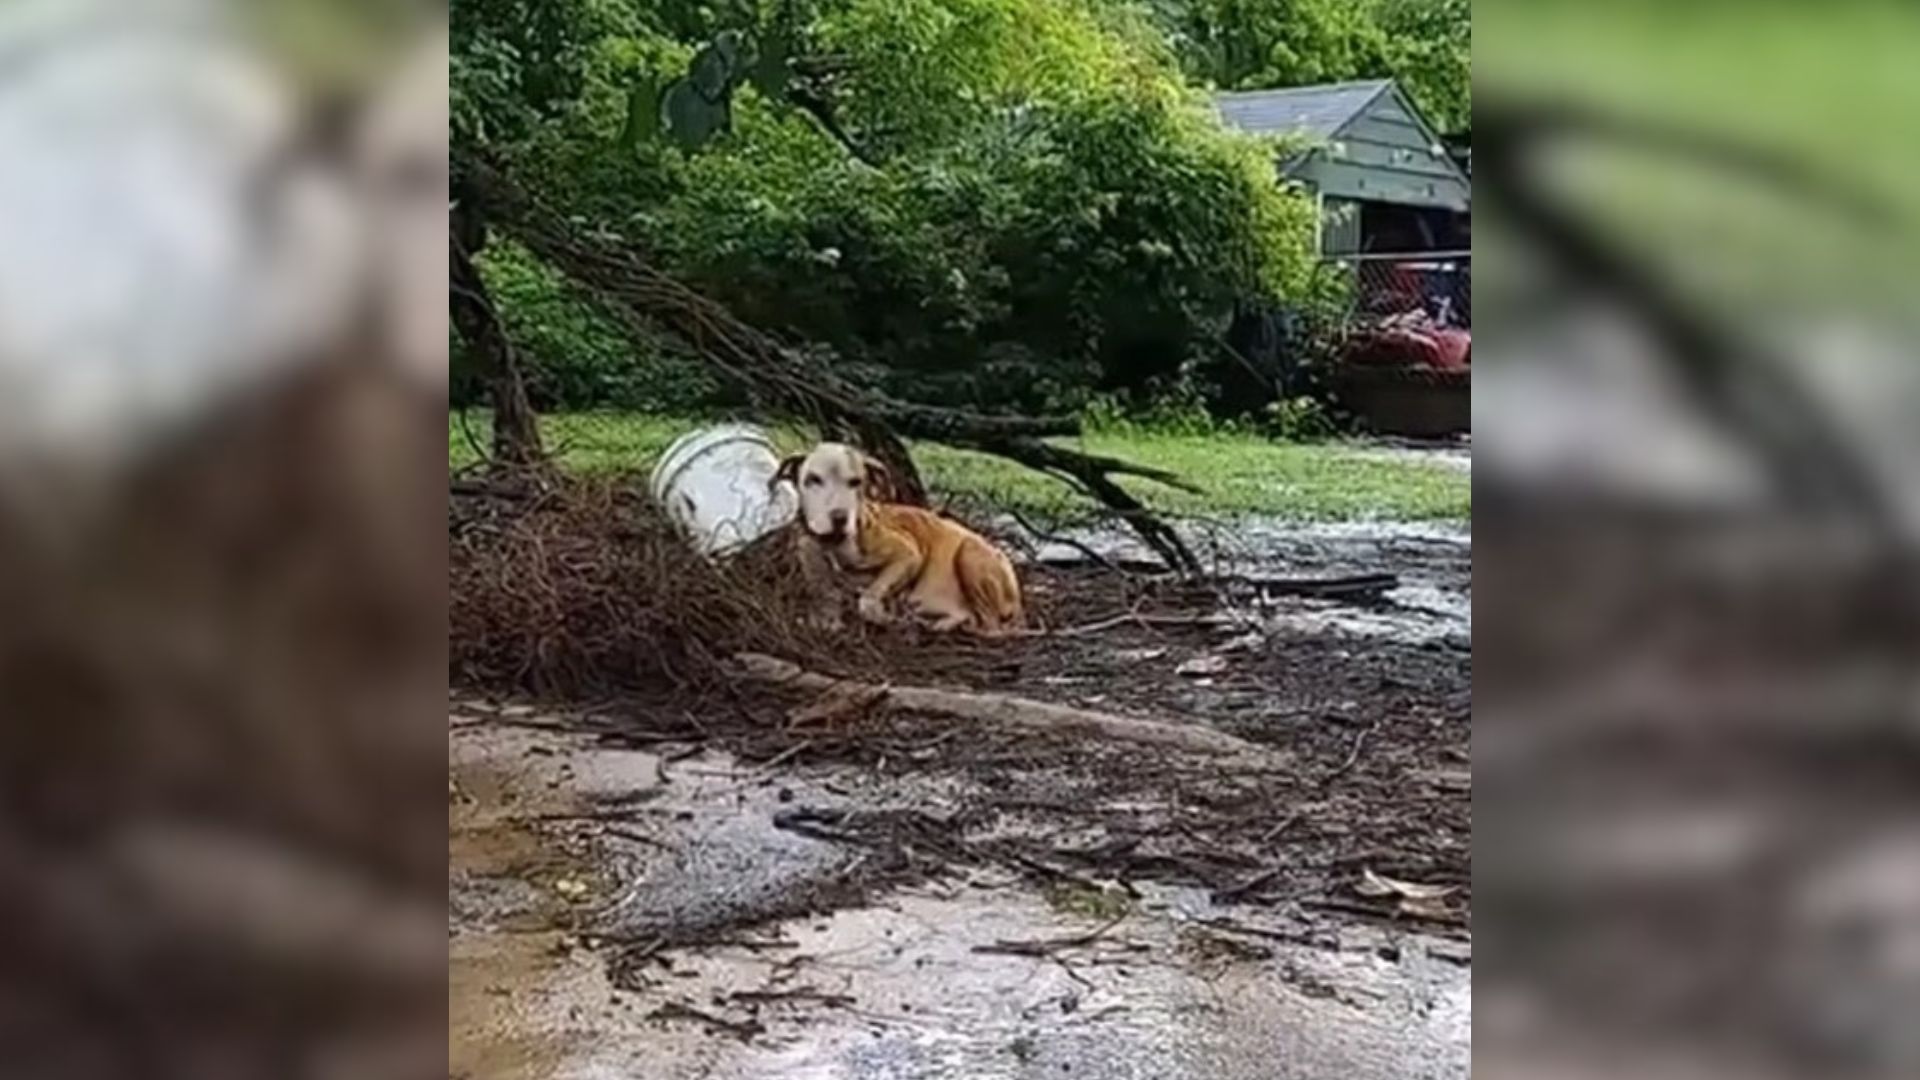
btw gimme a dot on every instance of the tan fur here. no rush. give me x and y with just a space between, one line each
954 577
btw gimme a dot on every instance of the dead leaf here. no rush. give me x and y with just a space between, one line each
1202 665
1372 884
838 702
1139 656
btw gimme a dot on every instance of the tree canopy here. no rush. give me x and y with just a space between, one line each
991 202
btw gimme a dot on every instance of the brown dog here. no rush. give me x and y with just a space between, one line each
958 579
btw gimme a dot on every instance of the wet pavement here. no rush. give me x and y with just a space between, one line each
642 913
1433 600
565 852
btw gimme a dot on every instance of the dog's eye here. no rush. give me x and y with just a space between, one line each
812 480
854 483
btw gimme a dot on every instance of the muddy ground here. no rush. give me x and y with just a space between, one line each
639 889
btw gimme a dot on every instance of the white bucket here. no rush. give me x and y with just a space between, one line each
715 483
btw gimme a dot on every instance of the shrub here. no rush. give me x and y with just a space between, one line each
576 357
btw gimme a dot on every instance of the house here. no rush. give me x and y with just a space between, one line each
1385 181
1394 202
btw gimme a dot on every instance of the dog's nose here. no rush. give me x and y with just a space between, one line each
838 519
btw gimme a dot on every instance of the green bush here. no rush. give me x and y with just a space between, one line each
574 356
1038 209
1095 244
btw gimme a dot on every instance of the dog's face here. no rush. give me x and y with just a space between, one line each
833 479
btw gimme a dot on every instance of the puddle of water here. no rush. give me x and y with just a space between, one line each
892 991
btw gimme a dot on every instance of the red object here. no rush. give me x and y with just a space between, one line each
1428 347
1453 349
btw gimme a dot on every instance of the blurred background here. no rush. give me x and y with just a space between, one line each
1697 847
222 370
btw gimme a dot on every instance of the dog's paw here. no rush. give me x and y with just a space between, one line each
874 611
945 624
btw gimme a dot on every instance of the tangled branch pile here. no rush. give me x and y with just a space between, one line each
587 589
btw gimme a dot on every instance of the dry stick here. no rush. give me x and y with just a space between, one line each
1047 946
1353 757
1139 620
1354 907
680 1010
1065 541
803 993
786 755
1001 708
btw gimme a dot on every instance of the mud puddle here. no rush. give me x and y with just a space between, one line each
572 864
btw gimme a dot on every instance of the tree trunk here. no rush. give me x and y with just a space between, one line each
516 430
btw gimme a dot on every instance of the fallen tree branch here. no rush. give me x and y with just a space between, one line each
1066 541
1347 586
1094 474
783 379
516 431
1004 709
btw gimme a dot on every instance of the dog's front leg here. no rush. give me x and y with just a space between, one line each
901 567
823 591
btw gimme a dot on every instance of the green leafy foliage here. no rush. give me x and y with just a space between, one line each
1260 44
577 357
1021 203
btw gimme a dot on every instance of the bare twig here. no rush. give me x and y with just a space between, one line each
680 1010
1065 541
1353 756
1251 885
1049 946
1140 619
799 993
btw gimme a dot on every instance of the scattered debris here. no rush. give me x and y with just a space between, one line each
680 1010
1006 709
805 994
1372 884
841 701
1049 946
1202 665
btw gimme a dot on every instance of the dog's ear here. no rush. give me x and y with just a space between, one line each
879 479
789 471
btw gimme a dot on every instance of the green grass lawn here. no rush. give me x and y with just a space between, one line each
1238 474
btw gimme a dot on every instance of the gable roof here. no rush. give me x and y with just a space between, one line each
1365 141
1318 111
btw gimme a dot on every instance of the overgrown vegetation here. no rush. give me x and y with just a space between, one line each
995 203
